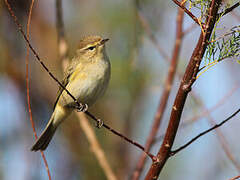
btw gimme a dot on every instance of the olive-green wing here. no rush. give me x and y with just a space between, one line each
64 83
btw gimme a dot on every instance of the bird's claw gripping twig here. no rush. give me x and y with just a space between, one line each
99 123
82 107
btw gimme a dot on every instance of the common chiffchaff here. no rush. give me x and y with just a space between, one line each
86 78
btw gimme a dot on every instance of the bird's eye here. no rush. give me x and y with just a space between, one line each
91 48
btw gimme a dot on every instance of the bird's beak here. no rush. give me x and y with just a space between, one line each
103 41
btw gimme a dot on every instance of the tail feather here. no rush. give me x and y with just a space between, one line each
59 114
45 138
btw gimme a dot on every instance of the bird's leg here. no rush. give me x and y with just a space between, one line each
82 107
99 123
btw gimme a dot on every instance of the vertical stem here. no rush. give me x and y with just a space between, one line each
165 95
28 89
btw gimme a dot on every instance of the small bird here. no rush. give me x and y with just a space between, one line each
86 78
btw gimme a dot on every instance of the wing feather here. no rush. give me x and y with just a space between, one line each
64 82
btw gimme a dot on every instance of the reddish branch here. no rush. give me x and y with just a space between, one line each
185 87
28 87
234 178
164 97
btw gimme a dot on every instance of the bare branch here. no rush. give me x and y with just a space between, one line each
28 90
234 178
203 133
224 144
165 95
122 136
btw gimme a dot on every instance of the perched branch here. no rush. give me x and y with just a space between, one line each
28 90
122 136
165 95
61 85
203 133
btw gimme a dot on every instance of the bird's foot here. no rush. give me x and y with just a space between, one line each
82 107
99 123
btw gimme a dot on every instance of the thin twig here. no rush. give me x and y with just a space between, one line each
228 10
188 12
122 136
218 131
83 121
28 90
224 144
60 84
164 97
203 133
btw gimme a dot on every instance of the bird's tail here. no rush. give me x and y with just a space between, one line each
46 136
